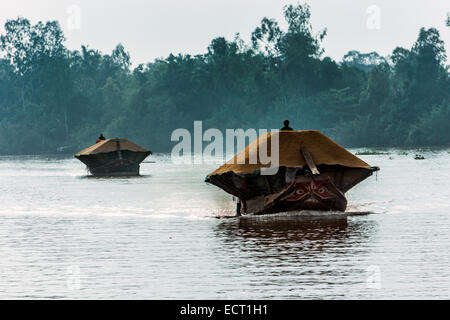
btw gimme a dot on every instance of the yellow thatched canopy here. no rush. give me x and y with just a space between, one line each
322 149
111 145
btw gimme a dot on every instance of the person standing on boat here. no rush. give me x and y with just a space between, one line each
286 126
101 138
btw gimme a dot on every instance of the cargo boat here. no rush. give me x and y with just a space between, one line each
113 157
313 173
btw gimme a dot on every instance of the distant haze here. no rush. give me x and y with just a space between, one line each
156 28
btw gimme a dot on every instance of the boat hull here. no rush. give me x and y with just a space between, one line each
303 193
123 163
117 168
301 215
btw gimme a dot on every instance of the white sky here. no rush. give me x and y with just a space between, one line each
155 28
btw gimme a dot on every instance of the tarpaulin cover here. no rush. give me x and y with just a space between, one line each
323 150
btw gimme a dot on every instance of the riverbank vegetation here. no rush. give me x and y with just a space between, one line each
52 97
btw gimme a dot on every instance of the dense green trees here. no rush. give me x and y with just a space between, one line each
52 97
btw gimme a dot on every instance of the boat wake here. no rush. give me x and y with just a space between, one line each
303 214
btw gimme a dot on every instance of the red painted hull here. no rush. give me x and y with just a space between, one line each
303 193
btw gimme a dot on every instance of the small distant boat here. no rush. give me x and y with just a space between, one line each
113 157
314 173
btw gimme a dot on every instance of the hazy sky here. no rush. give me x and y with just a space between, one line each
155 28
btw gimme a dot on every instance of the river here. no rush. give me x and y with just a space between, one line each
64 235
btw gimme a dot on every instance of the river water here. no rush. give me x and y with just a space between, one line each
64 235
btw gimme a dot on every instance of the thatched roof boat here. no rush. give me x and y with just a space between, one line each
314 173
113 157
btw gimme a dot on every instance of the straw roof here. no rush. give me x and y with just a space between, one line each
322 149
110 145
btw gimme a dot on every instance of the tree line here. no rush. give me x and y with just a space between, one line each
52 97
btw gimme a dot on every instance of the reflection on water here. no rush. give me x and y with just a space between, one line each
305 258
284 231
294 238
286 239
141 176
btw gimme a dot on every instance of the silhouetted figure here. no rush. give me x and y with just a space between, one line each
238 207
101 138
286 126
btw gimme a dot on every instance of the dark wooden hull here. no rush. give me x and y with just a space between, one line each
292 189
117 168
304 193
125 163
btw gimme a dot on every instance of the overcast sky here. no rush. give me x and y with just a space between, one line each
155 28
